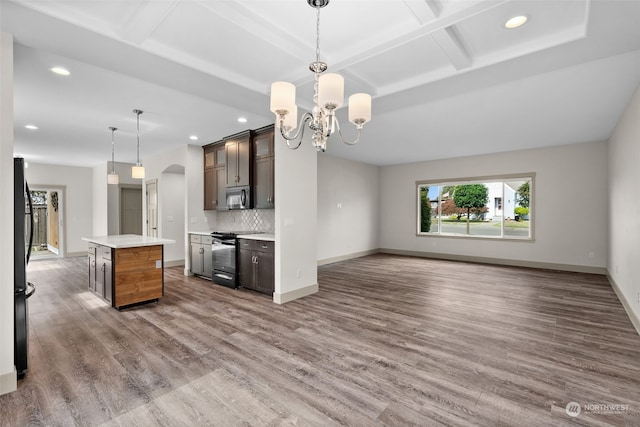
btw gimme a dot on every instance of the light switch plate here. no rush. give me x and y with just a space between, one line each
158 263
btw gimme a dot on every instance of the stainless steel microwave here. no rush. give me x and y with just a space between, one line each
239 197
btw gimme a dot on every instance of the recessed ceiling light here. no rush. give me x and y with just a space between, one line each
516 22
193 137
32 127
59 70
242 120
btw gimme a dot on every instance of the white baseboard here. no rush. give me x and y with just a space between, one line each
499 261
75 254
347 256
625 304
295 294
9 382
175 263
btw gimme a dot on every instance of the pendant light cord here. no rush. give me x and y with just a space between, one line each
113 150
138 112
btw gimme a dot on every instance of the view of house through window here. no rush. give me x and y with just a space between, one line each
483 207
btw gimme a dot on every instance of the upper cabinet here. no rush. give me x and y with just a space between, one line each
263 168
243 159
214 176
238 159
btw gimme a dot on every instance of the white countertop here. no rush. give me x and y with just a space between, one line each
127 241
260 236
201 233
256 236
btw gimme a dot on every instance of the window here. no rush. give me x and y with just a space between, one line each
480 207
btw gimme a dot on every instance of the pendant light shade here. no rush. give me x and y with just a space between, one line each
137 171
112 177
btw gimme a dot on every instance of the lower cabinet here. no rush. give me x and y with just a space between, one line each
101 271
92 267
126 275
256 265
200 255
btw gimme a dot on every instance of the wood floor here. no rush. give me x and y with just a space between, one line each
388 340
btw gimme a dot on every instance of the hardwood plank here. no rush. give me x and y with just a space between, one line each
388 340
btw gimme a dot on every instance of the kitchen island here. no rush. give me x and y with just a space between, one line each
126 269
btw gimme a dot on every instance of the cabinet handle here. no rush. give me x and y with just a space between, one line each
102 268
265 246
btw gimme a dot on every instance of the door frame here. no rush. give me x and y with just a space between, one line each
147 204
62 220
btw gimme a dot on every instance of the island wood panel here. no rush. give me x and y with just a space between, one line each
137 278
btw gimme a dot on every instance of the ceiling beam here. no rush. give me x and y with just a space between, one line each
452 47
424 10
145 20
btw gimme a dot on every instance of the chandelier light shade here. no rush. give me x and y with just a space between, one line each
112 177
328 97
137 171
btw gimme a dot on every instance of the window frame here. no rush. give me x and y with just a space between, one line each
478 180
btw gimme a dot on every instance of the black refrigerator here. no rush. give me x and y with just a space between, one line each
23 240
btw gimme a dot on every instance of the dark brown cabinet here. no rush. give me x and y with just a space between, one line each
92 267
263 168
256 265
238 159
214 176
201 256
101 271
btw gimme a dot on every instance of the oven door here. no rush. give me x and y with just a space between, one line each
223 252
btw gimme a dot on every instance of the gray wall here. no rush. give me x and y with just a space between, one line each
570 206
348 200
624 207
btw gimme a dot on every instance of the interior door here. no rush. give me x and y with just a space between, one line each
152 208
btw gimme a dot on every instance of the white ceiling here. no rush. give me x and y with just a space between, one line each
447 78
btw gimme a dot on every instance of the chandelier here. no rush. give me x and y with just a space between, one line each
328 96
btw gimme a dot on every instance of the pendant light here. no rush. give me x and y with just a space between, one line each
113 177
137 171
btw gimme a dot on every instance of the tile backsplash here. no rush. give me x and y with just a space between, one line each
262 220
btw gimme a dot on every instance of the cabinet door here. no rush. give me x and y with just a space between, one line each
220 156
231 154
244 161
265 272
99 276
221 192
245 268
263 144
263 183
210 189
92 270
209 157
207 260
108 280
196 258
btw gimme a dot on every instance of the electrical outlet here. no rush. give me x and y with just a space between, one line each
592 255
638 297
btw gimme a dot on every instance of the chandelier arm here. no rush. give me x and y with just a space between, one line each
337 122
300 133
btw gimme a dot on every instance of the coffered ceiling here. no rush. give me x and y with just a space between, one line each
447 78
